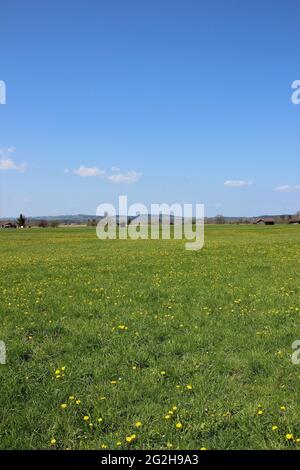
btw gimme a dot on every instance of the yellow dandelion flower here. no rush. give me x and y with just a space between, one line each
113 382
57 372
298 440
78 402
283 408
138 424
119 444
103 446
86 418
178 426
63 368
168 417
71 397
131 438
100 420
274 428
53 441
174 408
63 406
123 327
203 448
260 412
289 437
189 387
163 373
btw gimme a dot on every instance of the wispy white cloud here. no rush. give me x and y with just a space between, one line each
129 177
7 163
286 188
237 183
85 171
116 175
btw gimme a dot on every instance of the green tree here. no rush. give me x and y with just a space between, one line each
21 221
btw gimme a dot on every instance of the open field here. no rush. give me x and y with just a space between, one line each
150 333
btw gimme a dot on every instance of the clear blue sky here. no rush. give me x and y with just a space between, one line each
165 101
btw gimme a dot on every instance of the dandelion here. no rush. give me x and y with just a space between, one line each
71 397
131 438
63 406
174 408
260 412
100 420
298 441
203 448
103 446
86 418
189 387
53 441
168 417
274 428
283 408
163 373
138 424
289 437
102 398
57 372
123 327
113 382
178 426
78 402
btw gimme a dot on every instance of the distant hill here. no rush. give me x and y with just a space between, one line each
89 219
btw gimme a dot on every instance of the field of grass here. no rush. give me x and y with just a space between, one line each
108 340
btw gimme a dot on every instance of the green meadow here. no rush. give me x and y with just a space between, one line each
141 344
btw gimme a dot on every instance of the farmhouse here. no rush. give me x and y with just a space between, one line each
8 225
294 221
265 220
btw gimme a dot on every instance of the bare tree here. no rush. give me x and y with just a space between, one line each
43 223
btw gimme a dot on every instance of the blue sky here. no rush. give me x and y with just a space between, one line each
165 101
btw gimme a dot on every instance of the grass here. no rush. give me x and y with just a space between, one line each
135 330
